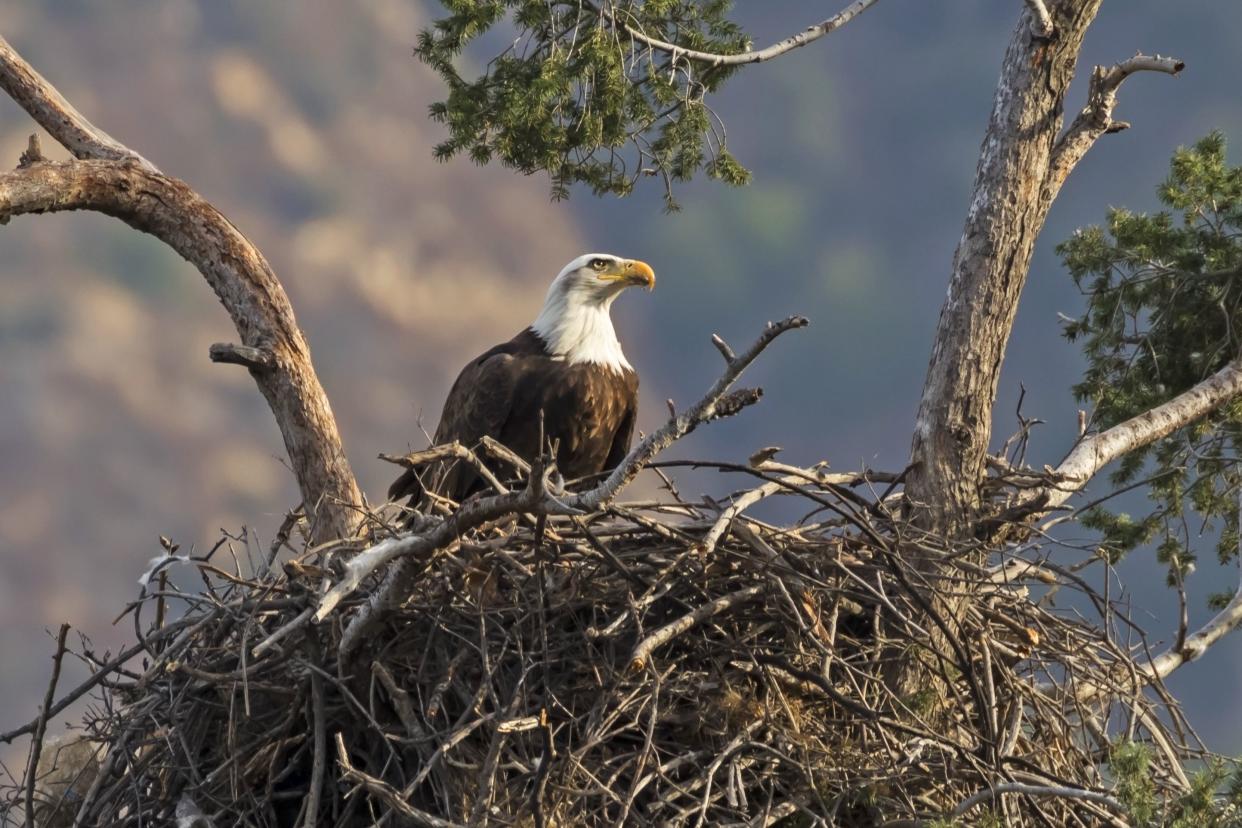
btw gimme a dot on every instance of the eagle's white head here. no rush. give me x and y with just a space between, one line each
574 322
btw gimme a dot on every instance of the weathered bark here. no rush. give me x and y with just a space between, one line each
1024 160
1008 206
118 182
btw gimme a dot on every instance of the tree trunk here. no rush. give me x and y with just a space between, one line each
1012 193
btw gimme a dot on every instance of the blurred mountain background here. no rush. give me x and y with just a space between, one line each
306 124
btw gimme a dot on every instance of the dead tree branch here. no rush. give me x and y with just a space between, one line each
1096 118
1093 453
114 180
51 111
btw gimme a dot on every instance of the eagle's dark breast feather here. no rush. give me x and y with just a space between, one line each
588 412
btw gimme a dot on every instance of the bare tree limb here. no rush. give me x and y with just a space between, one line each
1095 452
808 35
118 182
1096 118
55 114
1025 789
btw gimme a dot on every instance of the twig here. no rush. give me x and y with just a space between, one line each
447 451
638 658
36 743
385 792
807 36
1096 118
1039 790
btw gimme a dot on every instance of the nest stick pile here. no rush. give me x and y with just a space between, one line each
671 662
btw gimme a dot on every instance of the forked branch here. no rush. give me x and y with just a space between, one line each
116 181
1096 118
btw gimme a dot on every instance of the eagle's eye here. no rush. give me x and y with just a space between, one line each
598 264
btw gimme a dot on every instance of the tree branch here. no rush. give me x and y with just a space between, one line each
416 547
1095 452
995 792
55 114
809 35
119 182
273 345
1096 118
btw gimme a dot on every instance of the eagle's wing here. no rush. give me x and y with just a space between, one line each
624 436
478 404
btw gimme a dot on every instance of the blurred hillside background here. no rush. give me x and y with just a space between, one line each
306 124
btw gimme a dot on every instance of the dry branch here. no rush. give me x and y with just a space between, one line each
51 111
1096 451
114 180
1096 118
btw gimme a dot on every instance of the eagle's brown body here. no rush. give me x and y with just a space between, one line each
588 413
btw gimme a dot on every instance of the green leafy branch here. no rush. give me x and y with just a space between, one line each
1164 312
597 93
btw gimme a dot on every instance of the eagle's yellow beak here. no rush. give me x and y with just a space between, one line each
632 272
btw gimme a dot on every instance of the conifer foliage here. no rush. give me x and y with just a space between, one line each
577 95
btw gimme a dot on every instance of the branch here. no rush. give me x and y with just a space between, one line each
245 284
36 744
447 451
1223 623
1096 118
808 35
1039 790
638 659
256 359
55 114
386 793
1097 451
418 547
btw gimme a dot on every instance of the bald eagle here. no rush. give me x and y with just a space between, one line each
567 364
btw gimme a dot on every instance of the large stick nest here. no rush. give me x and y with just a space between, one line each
665 663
